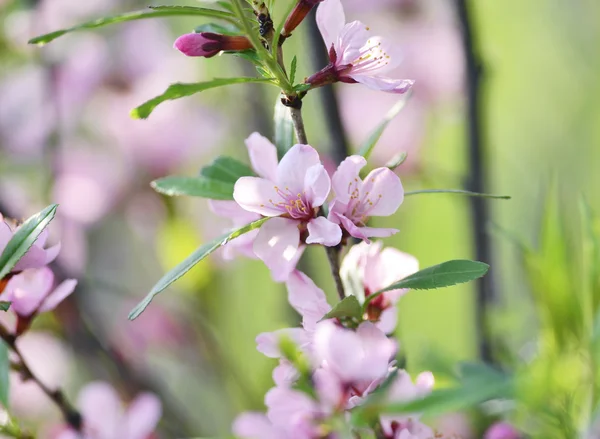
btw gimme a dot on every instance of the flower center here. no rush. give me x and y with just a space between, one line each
295 205
359 206
372 56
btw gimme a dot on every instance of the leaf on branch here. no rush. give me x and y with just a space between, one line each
293 69
367 148
4 374
180 90
156 12
458 192
349 307
227 170
284 128
4 306
24 238
442 275
194 187
180 270
218 29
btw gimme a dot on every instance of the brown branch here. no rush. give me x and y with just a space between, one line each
333 255
71 415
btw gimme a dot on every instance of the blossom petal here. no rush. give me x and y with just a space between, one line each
257 195
317 185
5 234
58 295
381 83
384 189
263 156
52 253
292 169
278 246
233 211
331 20
351 228
346 175
267 343
28 289
34 258
386 267
388 320
101 409
287 407
285 374
142 416
306 298
254 425
323 231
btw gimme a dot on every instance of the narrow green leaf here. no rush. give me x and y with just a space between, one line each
293 69
445 274
158 11
226 170
180 90
186 265
4 374
24 238
4 306
397 160
367 148
218 29
284 128
459 192
194 187
349 307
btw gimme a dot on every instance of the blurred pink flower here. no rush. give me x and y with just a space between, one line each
30 292
36 256
355 55
104 417
292 191
502 430
355 200
208 44
367 268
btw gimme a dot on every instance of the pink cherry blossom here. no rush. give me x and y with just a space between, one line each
36 256
379 194
208 44
502 430
105 418
31 291
367 268
355 55
292 193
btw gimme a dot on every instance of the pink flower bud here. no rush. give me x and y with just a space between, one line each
208 44
297 15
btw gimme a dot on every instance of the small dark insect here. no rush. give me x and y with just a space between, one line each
265 24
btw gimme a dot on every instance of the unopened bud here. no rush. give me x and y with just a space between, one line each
208 44
298 14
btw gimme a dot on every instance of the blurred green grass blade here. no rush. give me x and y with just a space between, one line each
284 128
349 307
458 192
5 306
155 12
590 226
4 374
226 170
185 266
367 148
442 275
181 90
194 187
24 238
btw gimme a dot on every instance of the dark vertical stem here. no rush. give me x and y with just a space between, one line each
331 109
333 255
296 113
476 182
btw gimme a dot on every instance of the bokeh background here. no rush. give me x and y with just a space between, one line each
66 137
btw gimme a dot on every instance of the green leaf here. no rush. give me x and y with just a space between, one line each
442 275
367 148
397 160
218 29
349 307
4 306
459 192
157 11
293 69
4 372
180 90
186 265
284 128
24 238
194 187
226 169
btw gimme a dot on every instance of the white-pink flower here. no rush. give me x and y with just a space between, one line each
355 55
379 194
367 268
36 256
31 291
292 192
104 416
